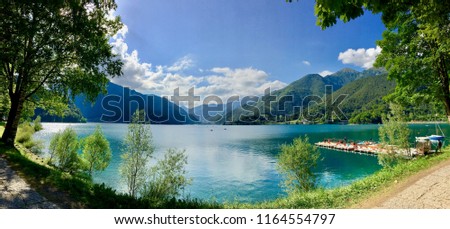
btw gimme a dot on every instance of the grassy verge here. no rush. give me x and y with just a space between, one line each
356 192
78 191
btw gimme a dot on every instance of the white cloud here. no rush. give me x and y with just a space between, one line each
307 63
240 81
162 80
325 73
182 64
364 58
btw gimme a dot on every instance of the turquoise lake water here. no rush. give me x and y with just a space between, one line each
230 163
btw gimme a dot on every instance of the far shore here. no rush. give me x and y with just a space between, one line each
427 122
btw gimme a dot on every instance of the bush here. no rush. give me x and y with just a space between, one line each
25 137
390 160
167 178
394 137
36 147
24 133
52 148
64 148
96 151
37 124
296 162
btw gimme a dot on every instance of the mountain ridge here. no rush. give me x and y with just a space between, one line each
295 97
120 103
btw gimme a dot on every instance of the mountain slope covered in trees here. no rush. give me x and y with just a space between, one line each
364 98
119 104
309 92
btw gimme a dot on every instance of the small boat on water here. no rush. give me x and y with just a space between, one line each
436 138
432 143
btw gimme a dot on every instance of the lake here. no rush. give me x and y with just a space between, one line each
230 163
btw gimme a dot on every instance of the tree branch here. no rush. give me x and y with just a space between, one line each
7 70
42 82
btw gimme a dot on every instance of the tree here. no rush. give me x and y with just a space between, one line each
65 146
53 147
138 150
415 45
394 136
168 177
96 151
54 50
296 162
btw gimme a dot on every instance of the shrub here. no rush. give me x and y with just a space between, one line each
394 137
64 147
24 133
296 162
52 148
389 160
25 137
168 177
35 146
96 151
37 124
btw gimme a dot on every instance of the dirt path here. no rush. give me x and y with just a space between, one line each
16 193
429 189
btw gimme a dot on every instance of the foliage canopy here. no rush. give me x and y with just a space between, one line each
415 45
52 51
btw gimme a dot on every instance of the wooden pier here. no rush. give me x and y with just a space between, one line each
366 147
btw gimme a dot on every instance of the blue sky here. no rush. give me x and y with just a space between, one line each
227 47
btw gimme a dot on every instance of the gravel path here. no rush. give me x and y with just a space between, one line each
16 193
431 192
428 189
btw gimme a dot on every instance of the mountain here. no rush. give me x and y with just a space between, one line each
364 101
211 114
310 93
314 84
119 104
287 102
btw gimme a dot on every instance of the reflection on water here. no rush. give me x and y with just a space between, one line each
239 162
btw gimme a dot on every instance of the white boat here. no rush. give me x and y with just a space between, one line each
436 138
432 143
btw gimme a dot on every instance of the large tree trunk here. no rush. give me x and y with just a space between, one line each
13 121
